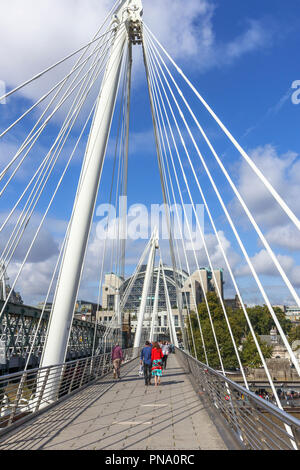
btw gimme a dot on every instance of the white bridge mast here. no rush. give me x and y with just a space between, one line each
128 14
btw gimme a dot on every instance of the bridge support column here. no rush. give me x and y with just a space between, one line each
81 221
146 287
155 306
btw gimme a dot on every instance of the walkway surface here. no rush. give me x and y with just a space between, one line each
124 415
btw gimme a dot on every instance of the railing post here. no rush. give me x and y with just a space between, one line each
104 363
236 405
18 398
42 389
61 380
83 374
101 359
73 377
296 434
261 433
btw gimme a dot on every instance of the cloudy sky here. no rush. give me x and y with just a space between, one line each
243 59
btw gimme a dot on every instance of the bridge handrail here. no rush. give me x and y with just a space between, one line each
24 394
256 423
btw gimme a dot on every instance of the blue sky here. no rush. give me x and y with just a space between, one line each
243 59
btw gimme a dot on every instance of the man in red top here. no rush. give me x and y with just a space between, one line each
117 358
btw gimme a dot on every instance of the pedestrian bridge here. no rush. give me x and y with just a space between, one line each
124 415
194 408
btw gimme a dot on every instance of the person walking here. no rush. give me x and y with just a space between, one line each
147 362
165 351
156 357
117 358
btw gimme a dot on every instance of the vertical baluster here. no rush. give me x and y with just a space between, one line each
18 398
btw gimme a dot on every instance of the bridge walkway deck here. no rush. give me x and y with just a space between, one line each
124 415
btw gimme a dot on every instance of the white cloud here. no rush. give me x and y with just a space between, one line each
264 265
282 171
286 236
37 33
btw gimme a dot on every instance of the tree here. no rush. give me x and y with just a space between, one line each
249 353
227 352
294 335
262 323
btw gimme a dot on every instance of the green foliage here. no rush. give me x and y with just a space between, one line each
261 321
294 334
249 354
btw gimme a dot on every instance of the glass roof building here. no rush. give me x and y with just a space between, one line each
189 288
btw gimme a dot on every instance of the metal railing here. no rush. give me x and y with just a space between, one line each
258 424
24 394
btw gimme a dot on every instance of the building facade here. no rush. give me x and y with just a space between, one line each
190 289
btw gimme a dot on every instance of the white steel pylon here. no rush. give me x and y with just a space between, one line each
155 306
146 288
71 269
171 323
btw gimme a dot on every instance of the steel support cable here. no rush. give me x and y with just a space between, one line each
164 153
229 268
125 189
134 277
25 216
28 139
269 186
294 360
189 230
60 253
110 199
81 178
170 317
232 276
116 149
213 273
155 304
116 261
161 173
87 163
193 339
208 308
115 246
67 235
186 260
27 82
32 138
40 226
58 141
201 282
45 169
231 405
17 233
39 171
38 194
59 85
241 200
108 218
45 160
288 429
33 241
124 192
